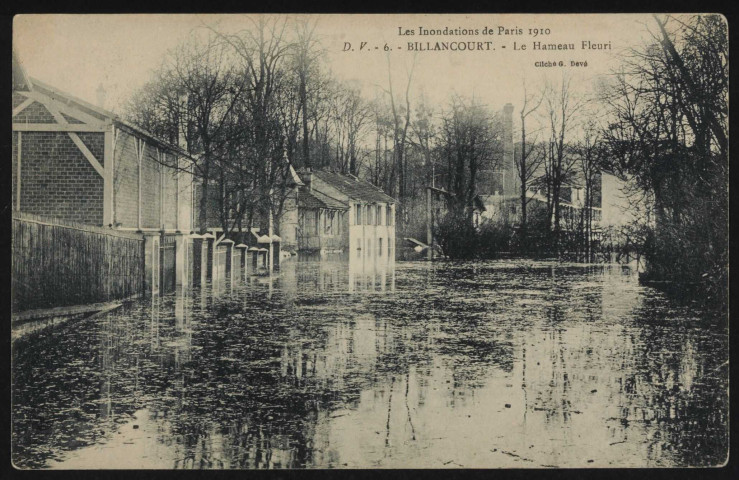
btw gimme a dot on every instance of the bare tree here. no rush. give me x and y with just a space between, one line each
589 152
194 93
352 114
563 108
423 138
263 49
401 123
306 52
668 107
467 141
530 158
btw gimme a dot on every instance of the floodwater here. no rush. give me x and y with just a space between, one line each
414 364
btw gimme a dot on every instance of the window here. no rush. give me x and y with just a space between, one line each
367 215
358 214
378 220
389 215
310 222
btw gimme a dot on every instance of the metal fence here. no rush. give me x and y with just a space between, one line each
57 264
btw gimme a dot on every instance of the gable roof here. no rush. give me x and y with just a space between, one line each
101 113
354 188
315 199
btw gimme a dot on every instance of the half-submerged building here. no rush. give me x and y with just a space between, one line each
342 213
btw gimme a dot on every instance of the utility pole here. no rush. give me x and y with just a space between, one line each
429 223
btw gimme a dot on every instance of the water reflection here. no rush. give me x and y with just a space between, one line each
359 362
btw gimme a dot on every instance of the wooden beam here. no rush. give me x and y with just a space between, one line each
140 150
22 106
54 109
87 153
108 178
53 104
59 127
51 108
177 193
18 173
160 159
116 132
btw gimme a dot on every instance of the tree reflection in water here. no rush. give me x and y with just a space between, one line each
360 362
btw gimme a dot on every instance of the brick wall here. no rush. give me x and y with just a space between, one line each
14 165
150 185
126 184
18 99
185 202
71 119
34 113
126 181
170 194
95 142
57 180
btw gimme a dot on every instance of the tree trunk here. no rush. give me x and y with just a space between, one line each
304 104
203 213
522 174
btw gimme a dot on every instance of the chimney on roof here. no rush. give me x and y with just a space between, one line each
508 160
306 176
101 94
183 101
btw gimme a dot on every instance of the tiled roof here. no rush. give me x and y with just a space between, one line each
354 187
316 199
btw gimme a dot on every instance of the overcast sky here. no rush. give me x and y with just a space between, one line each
77 53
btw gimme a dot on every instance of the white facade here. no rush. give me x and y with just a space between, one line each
372 229
616 210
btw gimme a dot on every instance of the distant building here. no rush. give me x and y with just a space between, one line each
503 180
338 212
616 208
570 204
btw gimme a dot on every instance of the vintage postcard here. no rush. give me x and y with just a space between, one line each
369 241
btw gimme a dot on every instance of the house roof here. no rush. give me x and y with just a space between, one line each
315 199
295 178
354 188
101 113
